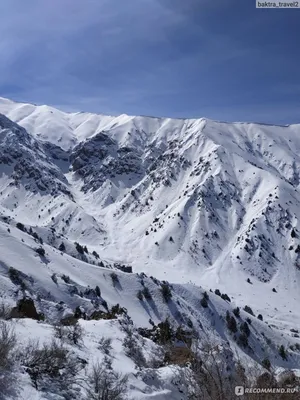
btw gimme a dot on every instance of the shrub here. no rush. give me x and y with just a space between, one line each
8 343
242 340
5 311
79 248
139 295
244 328
105 345
217 292
164 332
231 322
166 292
266 363
14 276
225 297
98 291
62 247
236 312
117 310
75 334
249 310
20 226
211 374
78 313
205 295
69 333
146 293
204 302
40 251
114 278
260 317
95 254
51 365
66 278
133 349
35 235
282 352
104 383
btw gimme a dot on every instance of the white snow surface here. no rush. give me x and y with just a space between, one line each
198 203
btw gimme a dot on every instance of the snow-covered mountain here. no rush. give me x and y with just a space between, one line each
204 205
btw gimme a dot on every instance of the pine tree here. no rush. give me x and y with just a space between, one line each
166 292
236 312
282 352
231 322
62 247
244 327
98 291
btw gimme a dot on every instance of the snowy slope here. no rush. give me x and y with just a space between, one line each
199 203
184 309
210 186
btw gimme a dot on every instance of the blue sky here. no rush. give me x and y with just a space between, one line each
221 59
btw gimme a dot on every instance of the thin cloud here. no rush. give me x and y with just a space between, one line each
143 56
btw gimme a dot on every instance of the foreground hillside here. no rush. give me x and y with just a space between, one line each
116 313
179 222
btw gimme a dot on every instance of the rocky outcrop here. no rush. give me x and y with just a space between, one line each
26 309
29 163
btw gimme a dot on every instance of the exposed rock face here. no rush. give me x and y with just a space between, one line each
29 163
26 309
100 158
202 204
56 153
206 194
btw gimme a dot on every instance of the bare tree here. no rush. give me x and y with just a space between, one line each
214 372
102 383
69 333
8 343
105 345
207 376
51 366
133 350
5 311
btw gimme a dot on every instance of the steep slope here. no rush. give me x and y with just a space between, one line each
206 185
60 284
196 193
204 205
34 188
195 202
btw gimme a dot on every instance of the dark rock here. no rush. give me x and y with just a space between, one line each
26 309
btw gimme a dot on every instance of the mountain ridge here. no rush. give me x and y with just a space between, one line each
204 205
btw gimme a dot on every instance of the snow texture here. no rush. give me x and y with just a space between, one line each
198 203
